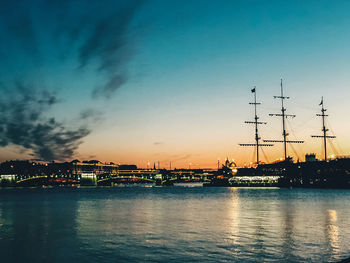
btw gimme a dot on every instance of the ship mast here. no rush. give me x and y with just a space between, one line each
256 123
324 129
284 117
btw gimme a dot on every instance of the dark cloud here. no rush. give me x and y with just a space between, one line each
111 45
88 114
24 123
96 33
102 31
107 90
157 143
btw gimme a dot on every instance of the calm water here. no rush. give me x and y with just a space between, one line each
174 224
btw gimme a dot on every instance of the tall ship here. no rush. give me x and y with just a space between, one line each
325 173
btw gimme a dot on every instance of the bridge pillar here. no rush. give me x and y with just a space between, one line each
88 179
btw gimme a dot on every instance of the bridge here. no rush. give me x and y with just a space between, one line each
101 179
10 180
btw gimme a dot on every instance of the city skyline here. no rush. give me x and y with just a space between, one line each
138 82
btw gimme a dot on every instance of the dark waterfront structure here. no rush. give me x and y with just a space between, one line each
310 174
91 173
317 174
25 173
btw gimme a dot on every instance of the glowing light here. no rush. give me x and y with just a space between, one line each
333 231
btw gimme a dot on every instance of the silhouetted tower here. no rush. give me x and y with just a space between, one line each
324 129
256 123
284 117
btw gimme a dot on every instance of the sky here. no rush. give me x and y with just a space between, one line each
137 82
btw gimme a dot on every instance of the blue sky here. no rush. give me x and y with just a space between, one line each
190 66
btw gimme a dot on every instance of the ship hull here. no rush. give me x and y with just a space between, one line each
318 174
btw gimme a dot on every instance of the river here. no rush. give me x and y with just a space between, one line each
184 223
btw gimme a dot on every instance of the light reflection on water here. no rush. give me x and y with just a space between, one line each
174 224
332 231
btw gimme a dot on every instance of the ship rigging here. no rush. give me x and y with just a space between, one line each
257 143
324 130
284 117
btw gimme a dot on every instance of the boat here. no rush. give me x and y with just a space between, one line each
223 176
160 181
326 173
